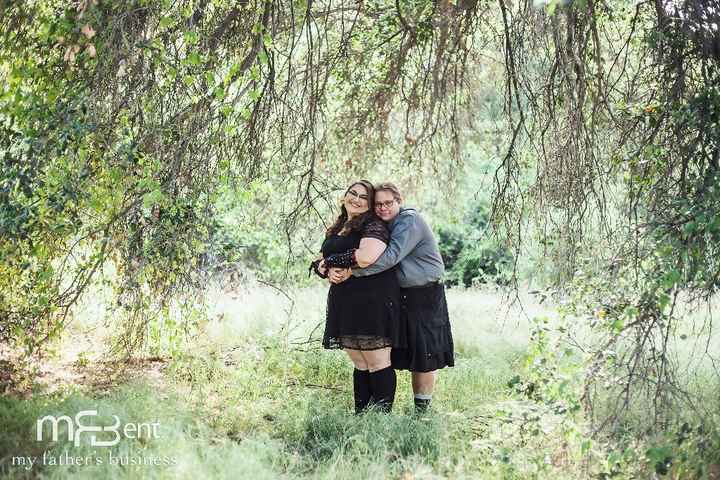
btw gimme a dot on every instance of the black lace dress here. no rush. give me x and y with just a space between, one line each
363 313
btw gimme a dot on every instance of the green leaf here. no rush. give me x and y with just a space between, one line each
194 59
670 279
630 312
255 73
166 22
191 37
689 227
267 40
219 93
551 7
156 44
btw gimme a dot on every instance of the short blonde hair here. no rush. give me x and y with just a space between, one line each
389 187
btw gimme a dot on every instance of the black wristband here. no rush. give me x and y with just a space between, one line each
341 260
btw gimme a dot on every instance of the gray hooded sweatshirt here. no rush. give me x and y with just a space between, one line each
412 248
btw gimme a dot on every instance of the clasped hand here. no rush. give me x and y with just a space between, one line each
335 275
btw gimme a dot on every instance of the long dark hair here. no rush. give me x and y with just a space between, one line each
356 223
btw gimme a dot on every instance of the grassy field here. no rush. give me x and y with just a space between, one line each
251 397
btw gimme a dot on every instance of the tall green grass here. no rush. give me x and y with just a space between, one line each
254 396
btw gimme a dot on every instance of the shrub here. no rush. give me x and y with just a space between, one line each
471 254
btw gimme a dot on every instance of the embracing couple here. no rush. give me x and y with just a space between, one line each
386 305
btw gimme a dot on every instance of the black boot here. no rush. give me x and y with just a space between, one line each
383 384
361 388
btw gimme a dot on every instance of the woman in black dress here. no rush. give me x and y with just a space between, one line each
363 314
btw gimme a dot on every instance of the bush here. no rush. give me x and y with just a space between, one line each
471 254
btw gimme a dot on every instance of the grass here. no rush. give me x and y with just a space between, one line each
250 397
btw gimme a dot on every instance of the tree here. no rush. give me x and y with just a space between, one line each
121 120
620 106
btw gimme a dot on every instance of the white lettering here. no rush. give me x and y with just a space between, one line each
76 429
26 462
54 422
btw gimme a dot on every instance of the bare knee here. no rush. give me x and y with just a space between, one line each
377 359
357 358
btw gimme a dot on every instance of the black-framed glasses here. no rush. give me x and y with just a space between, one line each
360 196
387 204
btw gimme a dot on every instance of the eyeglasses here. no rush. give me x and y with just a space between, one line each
353 193
387 204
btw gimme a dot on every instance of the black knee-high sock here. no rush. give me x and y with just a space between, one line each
383 384
361 388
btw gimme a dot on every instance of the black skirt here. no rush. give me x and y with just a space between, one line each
429 338
363 313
